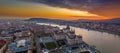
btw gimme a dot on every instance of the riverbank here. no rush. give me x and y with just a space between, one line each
100 30
111 32
97 25
92 47
101 40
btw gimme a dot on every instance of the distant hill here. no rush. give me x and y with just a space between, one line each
46 20
115 20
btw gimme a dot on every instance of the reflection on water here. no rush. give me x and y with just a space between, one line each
105 42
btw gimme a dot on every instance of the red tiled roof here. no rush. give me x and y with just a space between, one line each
2 41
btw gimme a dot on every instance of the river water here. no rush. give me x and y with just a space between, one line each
105 42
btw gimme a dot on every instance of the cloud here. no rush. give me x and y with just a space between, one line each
33 9
108 8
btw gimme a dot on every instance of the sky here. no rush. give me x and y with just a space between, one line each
60 9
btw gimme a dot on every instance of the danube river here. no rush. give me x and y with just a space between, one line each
105 42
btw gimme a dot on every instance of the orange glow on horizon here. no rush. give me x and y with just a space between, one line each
42 10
